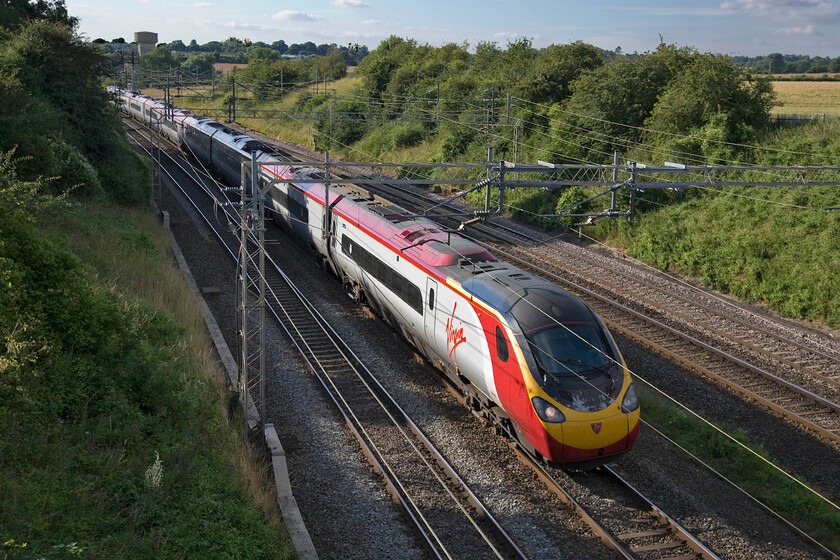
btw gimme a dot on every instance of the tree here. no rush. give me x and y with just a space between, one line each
280 46
798 67
710 106
177 45
332 65
256 53
199 64
515 61
303 49
158 59
212 46
777 63
834 65
231 43
613 101
554 70
376 68
819 64
354 53
15 12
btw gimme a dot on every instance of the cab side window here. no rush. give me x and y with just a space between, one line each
502 351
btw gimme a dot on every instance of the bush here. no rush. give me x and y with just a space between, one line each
409 135
74 173
455 143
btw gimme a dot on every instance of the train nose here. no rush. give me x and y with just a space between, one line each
586 440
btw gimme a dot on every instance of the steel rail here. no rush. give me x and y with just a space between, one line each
621 544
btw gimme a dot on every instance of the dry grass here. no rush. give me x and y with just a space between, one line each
227 67
808 98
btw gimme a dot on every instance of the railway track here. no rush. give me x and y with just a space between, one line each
627 522
447 515
632 525
467 530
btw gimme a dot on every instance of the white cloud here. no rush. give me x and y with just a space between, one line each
350 4
243 26
797 31
202 5
816 11
506 36
372 22
294 15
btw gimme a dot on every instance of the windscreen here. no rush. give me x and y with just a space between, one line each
576 365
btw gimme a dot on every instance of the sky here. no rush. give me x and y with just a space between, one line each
733 27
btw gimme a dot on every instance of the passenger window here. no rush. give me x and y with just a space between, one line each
501 346
431 299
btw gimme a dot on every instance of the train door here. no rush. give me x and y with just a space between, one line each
429 312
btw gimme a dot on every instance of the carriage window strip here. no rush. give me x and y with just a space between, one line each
393 280
296 209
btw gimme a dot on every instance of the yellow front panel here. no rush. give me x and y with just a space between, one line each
600 429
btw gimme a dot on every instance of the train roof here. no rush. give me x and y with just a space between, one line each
531 300
415 236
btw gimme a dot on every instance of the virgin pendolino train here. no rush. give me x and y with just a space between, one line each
529 356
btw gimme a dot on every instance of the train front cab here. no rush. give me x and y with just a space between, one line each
580 406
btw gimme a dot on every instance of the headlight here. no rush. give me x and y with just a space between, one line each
547 411
630 402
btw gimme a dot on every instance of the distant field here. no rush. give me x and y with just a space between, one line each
808 98
226 67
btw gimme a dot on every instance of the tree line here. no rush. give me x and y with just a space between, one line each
777 63
567 102
242 51
573 103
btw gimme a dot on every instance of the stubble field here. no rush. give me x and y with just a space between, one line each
807 98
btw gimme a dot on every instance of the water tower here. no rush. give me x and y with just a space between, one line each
146 41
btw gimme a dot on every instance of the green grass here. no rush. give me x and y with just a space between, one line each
753 472
761 248
86 414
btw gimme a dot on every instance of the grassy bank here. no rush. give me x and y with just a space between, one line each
753 243
114 440
750 469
